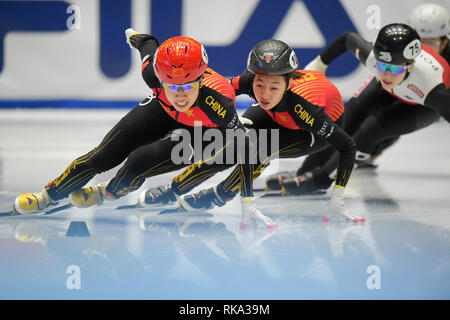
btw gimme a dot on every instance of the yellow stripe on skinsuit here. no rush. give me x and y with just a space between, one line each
194 180
154 168
84 174
155 172
62 186
81 160
180 178
98 149
161 170
135 181
238 181
233 176
191 168
242 180
233 185
186 173
235 181
245 192
118 183
84 181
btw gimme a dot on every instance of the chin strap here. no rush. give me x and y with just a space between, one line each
406 75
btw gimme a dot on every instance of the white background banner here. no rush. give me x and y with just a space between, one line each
76 57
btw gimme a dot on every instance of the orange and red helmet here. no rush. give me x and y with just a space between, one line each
180 60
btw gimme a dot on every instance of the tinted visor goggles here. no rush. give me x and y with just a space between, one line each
395 69
185 87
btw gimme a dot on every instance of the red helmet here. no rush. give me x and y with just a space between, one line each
180 60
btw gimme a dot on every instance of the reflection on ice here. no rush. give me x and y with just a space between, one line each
208 259
142 255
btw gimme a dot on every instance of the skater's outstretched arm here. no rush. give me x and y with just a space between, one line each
439 99
348 41
320 124
146 44
242 84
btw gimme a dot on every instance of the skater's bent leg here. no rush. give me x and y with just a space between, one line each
84 168
399 120
147 161
316 160
194 175
132 131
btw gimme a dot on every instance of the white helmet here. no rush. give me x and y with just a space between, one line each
430 20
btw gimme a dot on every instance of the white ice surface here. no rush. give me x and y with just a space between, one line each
139 255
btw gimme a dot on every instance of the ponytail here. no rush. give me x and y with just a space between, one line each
294 75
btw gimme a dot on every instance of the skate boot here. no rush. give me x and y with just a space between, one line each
204 200
273 182
136 39
365 160
90 196
308 183
28 203
159 196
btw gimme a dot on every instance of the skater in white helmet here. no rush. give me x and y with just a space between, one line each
432 22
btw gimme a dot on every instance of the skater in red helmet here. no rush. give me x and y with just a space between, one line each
305 108
185 95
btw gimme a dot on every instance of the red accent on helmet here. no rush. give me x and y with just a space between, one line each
180 60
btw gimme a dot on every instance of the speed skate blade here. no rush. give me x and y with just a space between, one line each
137 208
128 206
8 214
279 194
57 209
172 210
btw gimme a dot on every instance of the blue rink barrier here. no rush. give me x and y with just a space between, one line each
83 104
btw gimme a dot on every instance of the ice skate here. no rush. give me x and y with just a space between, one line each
365 160
308 183
90 196
153 197
274 181
28 203
369 163
204 200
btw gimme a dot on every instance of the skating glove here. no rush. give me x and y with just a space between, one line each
251 212
317 65
245 121
337 207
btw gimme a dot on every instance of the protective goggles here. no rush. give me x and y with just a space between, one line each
393 68
185 87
